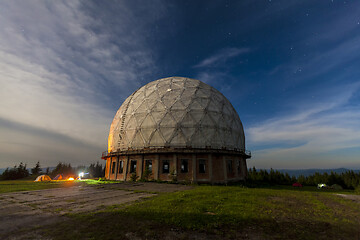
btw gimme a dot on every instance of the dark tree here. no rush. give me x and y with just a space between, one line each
36 170
17 172
96 170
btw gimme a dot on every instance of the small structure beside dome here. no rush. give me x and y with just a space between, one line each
176 129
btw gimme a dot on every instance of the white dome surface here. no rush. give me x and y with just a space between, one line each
176 112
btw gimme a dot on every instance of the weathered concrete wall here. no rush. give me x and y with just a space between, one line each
217 169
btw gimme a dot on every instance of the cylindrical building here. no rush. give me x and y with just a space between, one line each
176 129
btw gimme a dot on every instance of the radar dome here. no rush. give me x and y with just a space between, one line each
176 112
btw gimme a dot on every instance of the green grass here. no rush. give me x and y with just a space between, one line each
23 185
223 212
30 185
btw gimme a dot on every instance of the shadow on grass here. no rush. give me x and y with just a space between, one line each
162 225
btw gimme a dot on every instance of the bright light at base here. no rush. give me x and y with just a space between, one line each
81 174
70 179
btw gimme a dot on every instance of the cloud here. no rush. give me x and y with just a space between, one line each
315 135
61 66
221 57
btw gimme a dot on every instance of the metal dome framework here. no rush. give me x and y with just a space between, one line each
177 128
176 112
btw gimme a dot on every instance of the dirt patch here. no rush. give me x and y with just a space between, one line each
31 209
355 198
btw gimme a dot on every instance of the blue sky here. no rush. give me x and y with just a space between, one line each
290 68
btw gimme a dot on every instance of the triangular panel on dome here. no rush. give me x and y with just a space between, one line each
167 133
216 141
130 122
169 99
191 83
148 122
187 120
178 106
188 94
136 101
150 89
146 133
178 115
204 86
165 82
238 141
140 118
207 120
150 102
237 124
138 141
229 139
130 135
156 140
157 116
220 134
178 139
204 102
138 94
177 84
227 109
188 133
197 139
142 108
153 95
214 106
208 133
195 105
222 122
167 120
186 101
215 116
217 96
163 90
201 93
159 107
197 116
229 120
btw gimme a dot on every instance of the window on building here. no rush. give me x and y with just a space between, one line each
148 165
202 166
184 165
166 166
121 166
133 166
239 167
113 167
230 166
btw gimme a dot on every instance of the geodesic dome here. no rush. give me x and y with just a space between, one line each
176 112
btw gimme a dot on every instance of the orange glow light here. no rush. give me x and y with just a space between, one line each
70 179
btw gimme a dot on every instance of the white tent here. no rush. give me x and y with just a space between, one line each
42 178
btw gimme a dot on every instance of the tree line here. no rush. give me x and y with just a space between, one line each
20 171
348 179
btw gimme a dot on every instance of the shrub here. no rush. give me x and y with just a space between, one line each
134 177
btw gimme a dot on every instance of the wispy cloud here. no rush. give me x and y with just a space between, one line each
315 136
60 62
221 57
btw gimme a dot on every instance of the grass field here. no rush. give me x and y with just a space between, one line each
221 212
30 185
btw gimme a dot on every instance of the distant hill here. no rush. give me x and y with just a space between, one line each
308 172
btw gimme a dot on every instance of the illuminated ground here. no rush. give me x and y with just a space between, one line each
29 209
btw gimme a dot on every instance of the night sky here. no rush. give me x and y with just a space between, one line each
290 68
